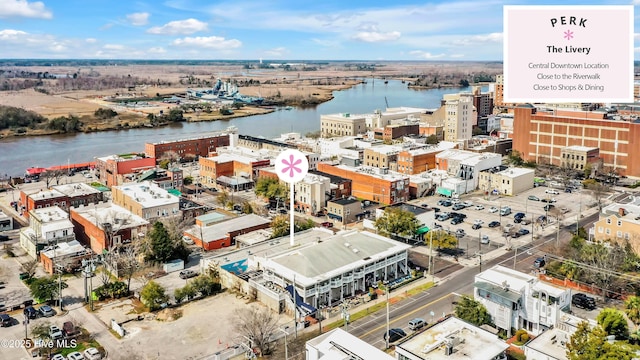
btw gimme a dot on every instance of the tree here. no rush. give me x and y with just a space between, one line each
397 222
270 188
632 309
41 331
46 288
613 322
161 244
29 267
258 324
205 285
472 311
441 240
432 139
188 180
153 295
128 264
464 83
588 343
280 226
598 191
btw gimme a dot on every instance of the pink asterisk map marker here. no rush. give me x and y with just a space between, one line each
290 165
568 34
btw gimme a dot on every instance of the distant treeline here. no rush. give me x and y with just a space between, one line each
20 120
97 62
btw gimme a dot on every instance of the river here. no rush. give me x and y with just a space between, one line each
19 153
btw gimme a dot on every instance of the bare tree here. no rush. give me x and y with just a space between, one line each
258 324
29 267
598 191
128 264
48 176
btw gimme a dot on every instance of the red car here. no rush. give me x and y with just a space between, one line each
327 224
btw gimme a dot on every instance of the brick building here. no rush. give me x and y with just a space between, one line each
230 165
147 200
41 199
188 148
541 136
379 185
115 170
222 234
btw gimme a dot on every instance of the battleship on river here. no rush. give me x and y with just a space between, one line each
223 90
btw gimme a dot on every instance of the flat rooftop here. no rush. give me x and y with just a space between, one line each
73 248
110 213
345 250
76 189
415 209
222 228
49 214
149 194
330 343
579 148
468 342
515 172
551 343
374 172
345 201
46 194
500 274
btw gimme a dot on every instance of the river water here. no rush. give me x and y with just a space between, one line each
19 153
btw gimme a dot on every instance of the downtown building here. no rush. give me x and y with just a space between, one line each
544 137
192 148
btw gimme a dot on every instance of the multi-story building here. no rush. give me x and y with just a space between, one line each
577 157
416 161
258 143
382 156
115 170
41 199
79 194
483 102
47 226
460 116
107 226
65 256
541 136
188 148
378 185
517 300
241 164
466 166
619 223
394 131
344 124
506 181
345 210
223 233
337 343
450 339
339 187
146 200
168 179
311 193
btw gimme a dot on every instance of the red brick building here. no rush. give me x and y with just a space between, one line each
41 199
381 187
186 148
112 170
541 136
223 234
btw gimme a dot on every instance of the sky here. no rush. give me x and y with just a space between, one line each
374 30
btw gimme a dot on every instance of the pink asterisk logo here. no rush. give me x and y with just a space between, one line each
568 34
290 166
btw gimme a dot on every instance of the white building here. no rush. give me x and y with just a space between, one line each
310 193
47 226
520 301
452 339
465 165
459 116
146 199
552 344
509 181
338 344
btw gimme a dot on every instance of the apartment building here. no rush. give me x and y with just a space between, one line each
382 156
344 124
146 200
483 102
311 193
189 149
465 166
115 170
41 199
231 165
378 185
506 181
541 136
577 157
460 116
46 226
416 161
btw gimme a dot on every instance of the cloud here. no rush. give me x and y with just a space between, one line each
179 27
456 56
211 42
276 52
113 47
156 50
326 42
477 39
91 40
374 36
425 55
138 19
23 8
10 34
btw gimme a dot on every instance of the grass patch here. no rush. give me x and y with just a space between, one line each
419 289
115 334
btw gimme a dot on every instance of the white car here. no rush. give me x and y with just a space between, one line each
467 203
455 201
58 357
493 209
484 239
55 332
478 221
75 356
479 207
552 192
92 354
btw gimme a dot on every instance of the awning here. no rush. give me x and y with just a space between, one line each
174 192
422 230
300 302
443 191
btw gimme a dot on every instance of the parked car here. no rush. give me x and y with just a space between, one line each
505 211
583 301
479 207
467 204
516 235
508 227
46 311
75 356
55 333
476 226
456 220
484 239
446 203
493 209
518 215
542 219
69 330
523 231
455 201
30 312
568 190
539 263
5 320
548 207
58 357
458 206
478 221
186 274
92 354
533 198
435 209
394 335
444 216
460 232
327 224
494 224
417 324
552 192
4 238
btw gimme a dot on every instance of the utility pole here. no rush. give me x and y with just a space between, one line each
578 218
431 255
386 338
286 347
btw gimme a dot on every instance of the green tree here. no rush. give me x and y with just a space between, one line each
270 188
153 295
431 139
205 285
613 322
441 240
590 344
472 311
464 83
280 226
397 222
188 180
632 309
176 115
161 245
45 288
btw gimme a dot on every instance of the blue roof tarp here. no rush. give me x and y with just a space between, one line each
299 303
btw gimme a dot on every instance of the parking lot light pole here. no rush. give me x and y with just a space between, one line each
386 338
286 347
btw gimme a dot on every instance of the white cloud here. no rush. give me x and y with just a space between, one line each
326 43
156 50
374 36
91 40
138 19
10 34
23 8
425 55
476 39
456 56
179 27
276 52
113 47
211 42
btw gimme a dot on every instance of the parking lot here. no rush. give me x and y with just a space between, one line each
470 243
